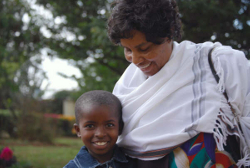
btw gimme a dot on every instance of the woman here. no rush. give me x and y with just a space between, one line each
174 111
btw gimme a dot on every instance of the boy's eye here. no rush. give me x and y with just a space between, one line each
110 125
89 126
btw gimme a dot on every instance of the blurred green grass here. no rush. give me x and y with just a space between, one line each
42 155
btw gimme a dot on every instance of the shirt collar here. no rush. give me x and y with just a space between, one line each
83 157
119 155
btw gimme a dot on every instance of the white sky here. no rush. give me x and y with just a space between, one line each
55 82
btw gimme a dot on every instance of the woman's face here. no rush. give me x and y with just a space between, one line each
147 56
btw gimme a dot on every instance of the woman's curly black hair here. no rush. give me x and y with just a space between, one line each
157 19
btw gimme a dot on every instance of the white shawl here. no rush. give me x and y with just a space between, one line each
163 111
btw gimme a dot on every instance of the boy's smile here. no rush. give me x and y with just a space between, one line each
99 130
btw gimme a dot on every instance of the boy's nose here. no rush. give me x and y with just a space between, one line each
100 132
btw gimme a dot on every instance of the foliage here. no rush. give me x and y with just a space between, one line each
100 62
6 157
226 21
21 40
63 124
6 123
58 99
48 106
62 94
66 127
34 127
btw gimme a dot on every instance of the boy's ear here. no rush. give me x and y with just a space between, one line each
77 129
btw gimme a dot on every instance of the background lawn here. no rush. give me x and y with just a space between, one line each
44 156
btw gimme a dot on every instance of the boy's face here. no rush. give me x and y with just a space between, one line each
99 130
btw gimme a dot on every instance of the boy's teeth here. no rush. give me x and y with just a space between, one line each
101 143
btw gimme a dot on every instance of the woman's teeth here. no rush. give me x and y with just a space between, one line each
145 66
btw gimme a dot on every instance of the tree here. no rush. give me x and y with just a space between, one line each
226 21
79 33
20 40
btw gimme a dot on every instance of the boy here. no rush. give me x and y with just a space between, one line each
98 123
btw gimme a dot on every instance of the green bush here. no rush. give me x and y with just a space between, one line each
37 126
7 123
62 124
34 127
65 126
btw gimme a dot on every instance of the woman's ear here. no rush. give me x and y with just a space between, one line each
77 129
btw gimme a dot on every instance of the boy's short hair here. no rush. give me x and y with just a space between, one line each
99 97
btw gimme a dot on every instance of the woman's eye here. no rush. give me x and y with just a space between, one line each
110 125
127 50
144 49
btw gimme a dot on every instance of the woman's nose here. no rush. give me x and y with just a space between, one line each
135 58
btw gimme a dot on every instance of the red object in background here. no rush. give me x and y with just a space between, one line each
52 115
6 154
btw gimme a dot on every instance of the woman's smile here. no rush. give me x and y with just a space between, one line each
143 67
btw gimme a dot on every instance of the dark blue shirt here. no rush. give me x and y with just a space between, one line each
84 160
